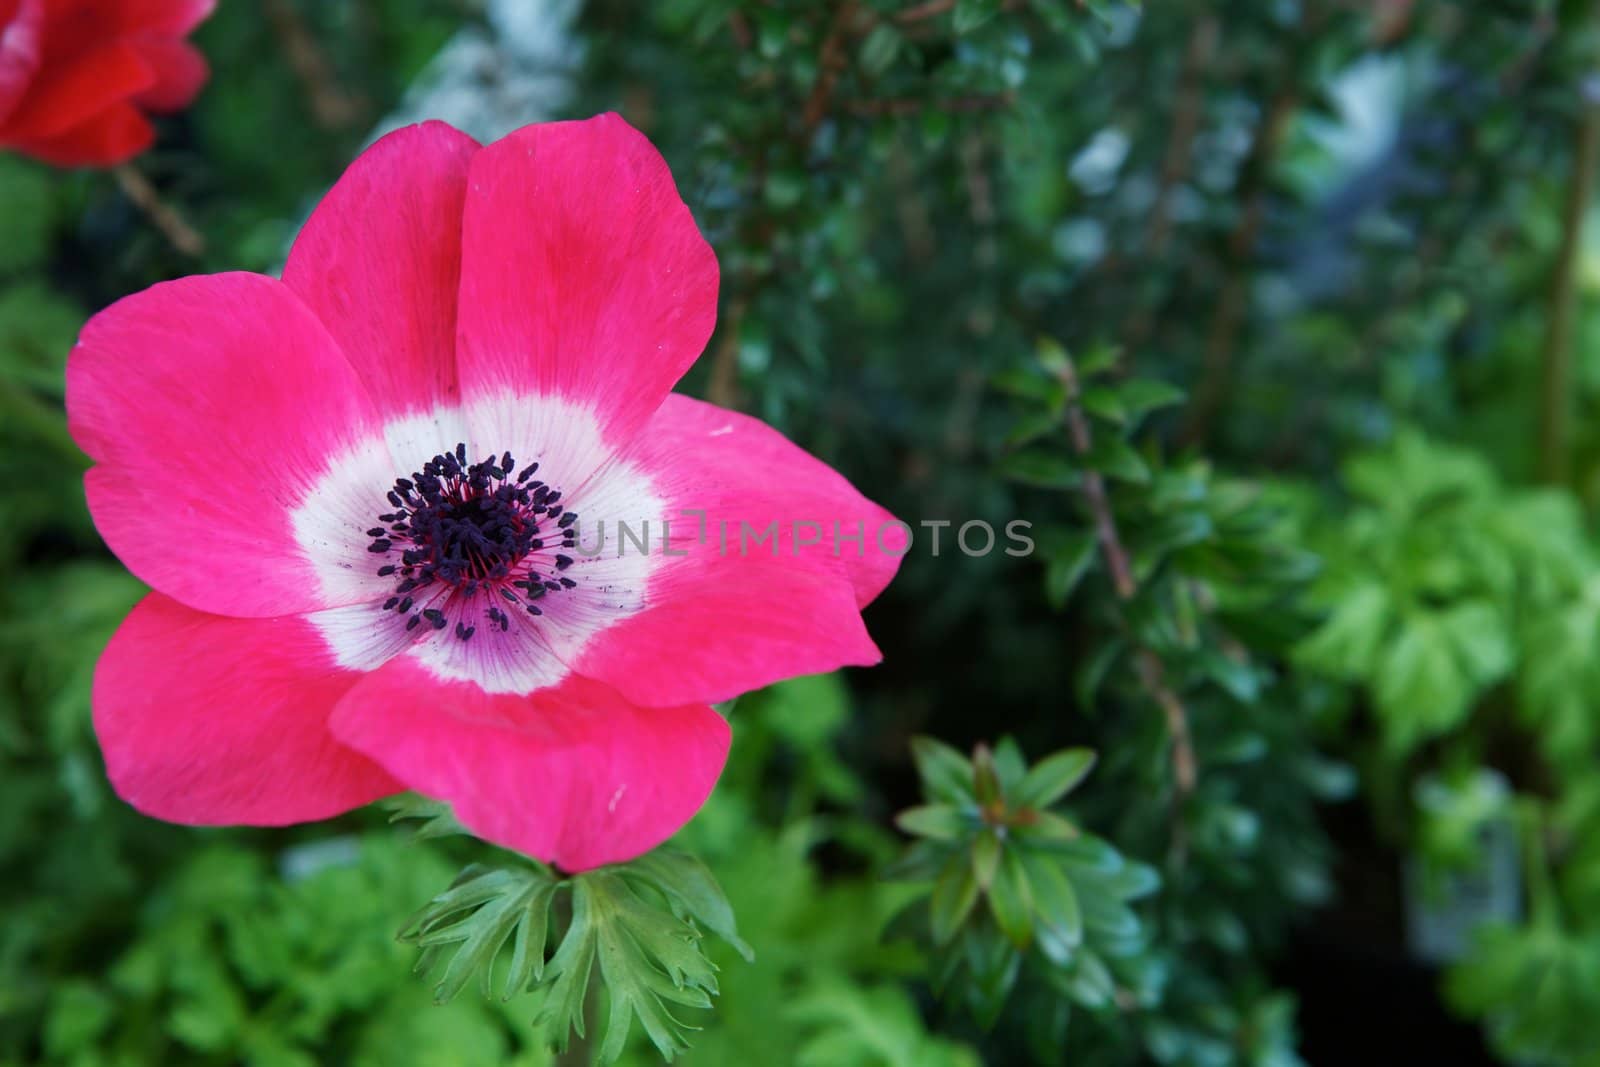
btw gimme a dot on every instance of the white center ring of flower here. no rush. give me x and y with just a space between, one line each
524 647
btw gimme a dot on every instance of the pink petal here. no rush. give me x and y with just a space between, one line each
582 272
722 631
180 71
735 613
213 404
21 25
380 262
573 775
737 468
214 721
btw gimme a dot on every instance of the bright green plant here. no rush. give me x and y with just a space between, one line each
1050 895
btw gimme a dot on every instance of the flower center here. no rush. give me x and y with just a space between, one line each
462 531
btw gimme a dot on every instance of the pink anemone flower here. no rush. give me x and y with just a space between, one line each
368 495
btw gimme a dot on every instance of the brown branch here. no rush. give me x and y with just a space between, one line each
1184 770
1188 99
1522 67
1152 673
1223 336
1186 110
137 188
739 26
331 106
911 206
831 62
723 388
911 105
1391 20
966 403
980 197
1555 356
1094 493
850 20
918 12
932 9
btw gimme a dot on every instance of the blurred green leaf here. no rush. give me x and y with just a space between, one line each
1054 777
1047 470
1011 900
946 774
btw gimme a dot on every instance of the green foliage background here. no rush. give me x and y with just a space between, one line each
1278 323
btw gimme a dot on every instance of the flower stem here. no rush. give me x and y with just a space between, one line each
331 105
42 423
1555 357
137 188
1152 673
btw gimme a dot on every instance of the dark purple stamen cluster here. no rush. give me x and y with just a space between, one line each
463 529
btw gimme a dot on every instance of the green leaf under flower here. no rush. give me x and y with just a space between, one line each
637 925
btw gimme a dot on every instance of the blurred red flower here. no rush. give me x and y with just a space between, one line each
78 76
